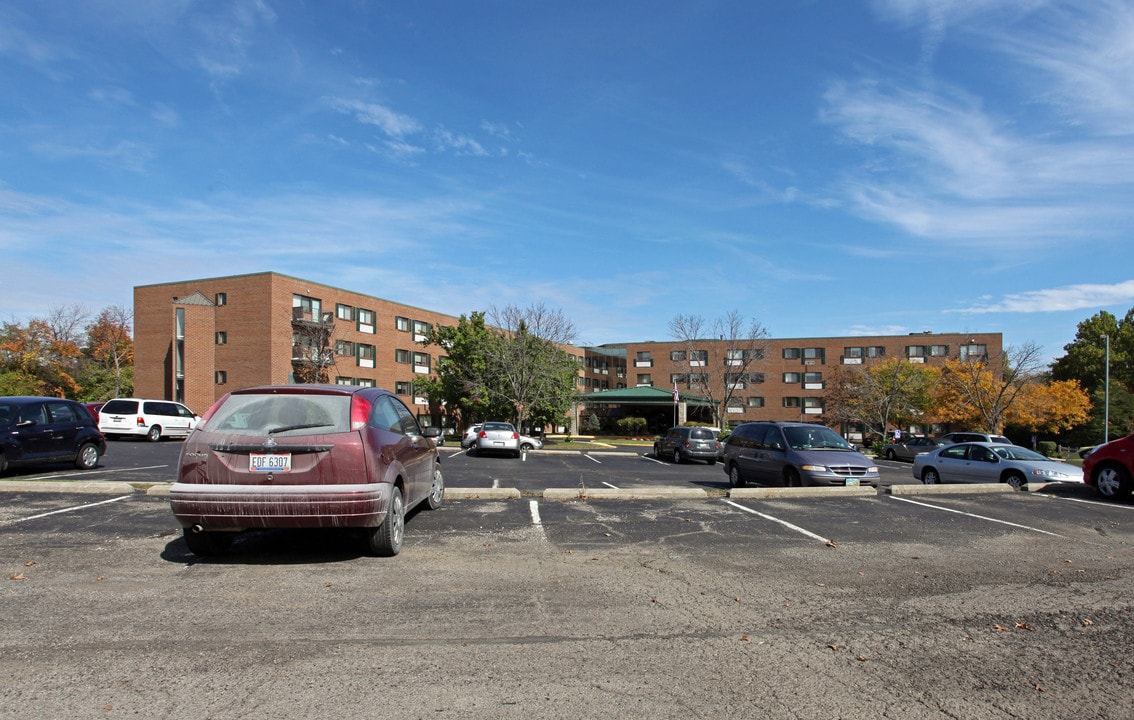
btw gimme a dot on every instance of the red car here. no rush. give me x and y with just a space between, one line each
1110 468
93 408
305 456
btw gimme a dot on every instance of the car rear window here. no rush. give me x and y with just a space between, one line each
281 415
121 407
702 434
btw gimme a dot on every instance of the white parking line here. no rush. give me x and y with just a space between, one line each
974 515
1103 503
785 523
592 459
612 487
64 510
88 473
535 512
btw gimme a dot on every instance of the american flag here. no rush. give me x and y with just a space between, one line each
676 395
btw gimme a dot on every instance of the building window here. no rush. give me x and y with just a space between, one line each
791 402
814 353
736 380
220 299
913 351
402 324
402 356
420 330
402 388
735 405
791 353
973 352
677 355
365 355
812 405
698 357
698 380
366 320
421 363
876 351
221 377
939 351
756 401
307 305
813 377
852 352
644 379
792 378
222 337
345 348
678 379
340 380
756 377
344 312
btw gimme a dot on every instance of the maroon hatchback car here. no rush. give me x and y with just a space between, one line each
305 456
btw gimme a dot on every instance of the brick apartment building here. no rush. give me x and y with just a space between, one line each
195 340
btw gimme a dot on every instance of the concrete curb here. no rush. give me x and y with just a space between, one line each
966 488
454 493
798 492
645 493
68 486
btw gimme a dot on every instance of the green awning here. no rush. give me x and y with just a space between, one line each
644 395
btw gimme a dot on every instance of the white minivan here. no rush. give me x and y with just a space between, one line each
151 419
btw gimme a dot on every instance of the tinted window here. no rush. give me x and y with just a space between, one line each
408 421
386 416
955 452
34 413
120 407
770 438
702 434
62 412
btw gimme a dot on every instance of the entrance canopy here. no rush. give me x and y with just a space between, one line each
645 395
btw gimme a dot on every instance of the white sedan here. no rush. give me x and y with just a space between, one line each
500 437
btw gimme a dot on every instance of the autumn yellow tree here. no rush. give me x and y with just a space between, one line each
1050 407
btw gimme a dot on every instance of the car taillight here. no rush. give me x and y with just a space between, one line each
359 411
141 421
515 436
483 434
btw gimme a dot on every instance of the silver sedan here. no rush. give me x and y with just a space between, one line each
500 437
991 462
911 447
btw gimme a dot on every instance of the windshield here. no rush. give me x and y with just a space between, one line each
815 437
1014 452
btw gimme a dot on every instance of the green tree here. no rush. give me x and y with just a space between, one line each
515 368
891 393
1085 362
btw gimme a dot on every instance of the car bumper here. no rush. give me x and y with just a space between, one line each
240 507
840 479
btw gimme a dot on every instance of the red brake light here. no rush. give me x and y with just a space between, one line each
515 436
359 411
483 434
140 421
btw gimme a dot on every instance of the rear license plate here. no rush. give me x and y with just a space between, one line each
269 462
852 481
498 442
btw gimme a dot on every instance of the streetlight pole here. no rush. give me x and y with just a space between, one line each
1106 396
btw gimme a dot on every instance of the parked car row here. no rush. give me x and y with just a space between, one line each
991 462
909 447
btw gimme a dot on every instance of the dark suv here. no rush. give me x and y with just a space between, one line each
1110 468
43 430
688 443
794 453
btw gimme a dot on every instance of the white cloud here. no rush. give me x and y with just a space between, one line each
1068 297
388 121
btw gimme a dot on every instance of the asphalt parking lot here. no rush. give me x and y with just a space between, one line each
964 604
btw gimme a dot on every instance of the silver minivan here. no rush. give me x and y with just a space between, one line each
794 454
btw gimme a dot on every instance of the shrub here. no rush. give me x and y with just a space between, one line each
631 426
1047 448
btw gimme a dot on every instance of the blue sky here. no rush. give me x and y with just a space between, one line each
833 167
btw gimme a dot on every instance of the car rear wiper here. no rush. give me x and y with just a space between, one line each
285 428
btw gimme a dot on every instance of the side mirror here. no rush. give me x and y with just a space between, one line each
432 432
